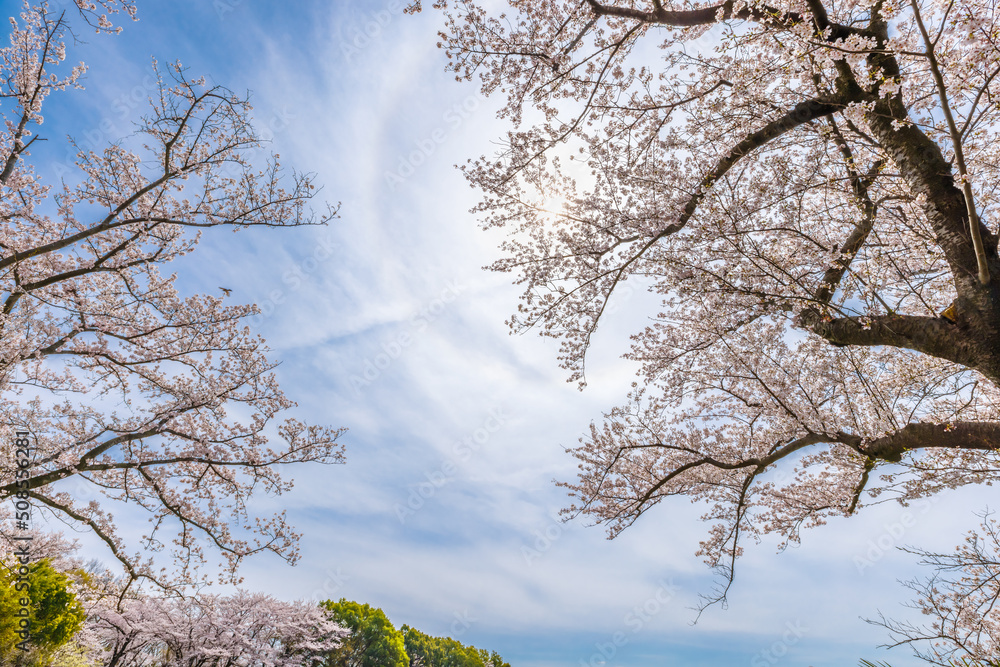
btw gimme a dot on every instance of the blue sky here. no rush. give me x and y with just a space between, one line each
385 322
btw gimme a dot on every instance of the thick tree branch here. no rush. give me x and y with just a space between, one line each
726 11
800 114
971 436
929 175
956 141
929 335
856 240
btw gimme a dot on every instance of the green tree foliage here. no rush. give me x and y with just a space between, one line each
53 613
373 642
427 651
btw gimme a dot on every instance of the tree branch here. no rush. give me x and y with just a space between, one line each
724 12
974 436
929 335
956 142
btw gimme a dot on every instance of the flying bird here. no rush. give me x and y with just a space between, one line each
226 290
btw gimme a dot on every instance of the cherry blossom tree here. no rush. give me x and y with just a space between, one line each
809 189
127 626
960 598
245 629
132 392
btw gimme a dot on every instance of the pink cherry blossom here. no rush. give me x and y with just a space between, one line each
808 188
133 392
244 630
